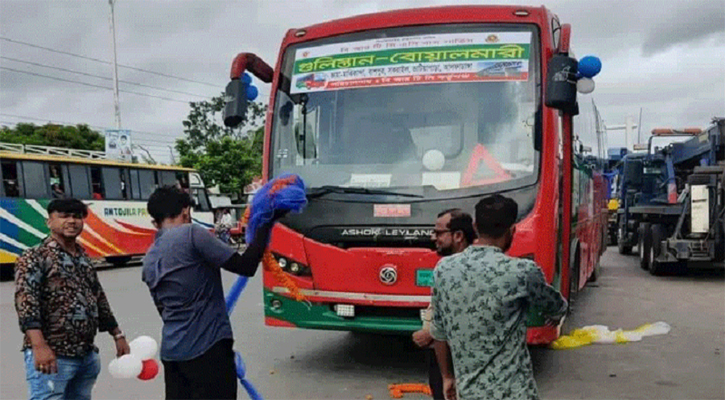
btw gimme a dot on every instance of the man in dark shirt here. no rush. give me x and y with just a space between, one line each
453 233
183 272
61 305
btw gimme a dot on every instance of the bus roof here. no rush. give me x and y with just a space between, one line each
79 160
420 16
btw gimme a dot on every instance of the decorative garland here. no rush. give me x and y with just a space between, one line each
270 264
396 391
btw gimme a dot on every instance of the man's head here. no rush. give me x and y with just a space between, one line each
453 232
65 218
169 205
495 220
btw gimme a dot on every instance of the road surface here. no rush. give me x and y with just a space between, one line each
688 363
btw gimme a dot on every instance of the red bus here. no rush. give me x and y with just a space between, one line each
413 112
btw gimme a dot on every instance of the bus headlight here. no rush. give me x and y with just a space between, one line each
292 267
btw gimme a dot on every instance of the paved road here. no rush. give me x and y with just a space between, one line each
285 364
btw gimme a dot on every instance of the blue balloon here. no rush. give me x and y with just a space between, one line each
252 92
590 66
246 78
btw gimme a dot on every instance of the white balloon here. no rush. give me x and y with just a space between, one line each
434 160
144 347
113 368
129 366
585 85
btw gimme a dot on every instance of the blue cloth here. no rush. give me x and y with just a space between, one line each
182 271
75 378
290 198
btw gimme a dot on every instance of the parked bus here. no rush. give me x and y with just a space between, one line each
413 112
118 225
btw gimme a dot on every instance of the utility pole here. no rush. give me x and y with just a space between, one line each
117 107
639 126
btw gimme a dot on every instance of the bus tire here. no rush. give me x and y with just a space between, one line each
7 272
645 242
574 261
118 261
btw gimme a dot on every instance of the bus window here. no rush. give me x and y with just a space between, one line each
135 188
112 183
36 184
56 182
125 187
201 201
79 183
147 181
12 185
97 183
167 178
183 179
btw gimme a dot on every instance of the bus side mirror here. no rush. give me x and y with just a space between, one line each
561 83
235 107
235 95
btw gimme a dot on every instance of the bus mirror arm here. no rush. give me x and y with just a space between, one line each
250 62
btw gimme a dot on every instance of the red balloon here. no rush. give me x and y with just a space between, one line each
150 370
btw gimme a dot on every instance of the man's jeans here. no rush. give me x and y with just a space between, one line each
75 378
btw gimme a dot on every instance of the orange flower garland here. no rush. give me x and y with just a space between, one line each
269 263
396 391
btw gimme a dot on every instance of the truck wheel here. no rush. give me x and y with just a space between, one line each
658 234
623 249
645 242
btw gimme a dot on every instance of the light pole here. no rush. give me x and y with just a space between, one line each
117 107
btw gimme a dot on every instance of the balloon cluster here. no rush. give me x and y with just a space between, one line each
589 67
252 91
139 363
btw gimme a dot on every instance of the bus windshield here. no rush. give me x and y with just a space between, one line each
451 108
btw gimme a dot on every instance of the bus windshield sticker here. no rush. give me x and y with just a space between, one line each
442 180
443 58
370 181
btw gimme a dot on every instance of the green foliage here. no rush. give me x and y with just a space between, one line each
228 157
79 137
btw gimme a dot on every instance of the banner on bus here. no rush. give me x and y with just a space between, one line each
119 145
443 58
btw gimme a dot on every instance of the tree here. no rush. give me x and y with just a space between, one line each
79 137
227 157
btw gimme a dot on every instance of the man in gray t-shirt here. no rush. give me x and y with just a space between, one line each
183 272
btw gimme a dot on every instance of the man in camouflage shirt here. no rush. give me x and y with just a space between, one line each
61 306
480 301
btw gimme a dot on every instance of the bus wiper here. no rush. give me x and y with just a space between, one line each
323 190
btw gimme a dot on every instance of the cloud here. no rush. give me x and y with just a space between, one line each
691 23
664 55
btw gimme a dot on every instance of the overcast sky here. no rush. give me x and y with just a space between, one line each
664 56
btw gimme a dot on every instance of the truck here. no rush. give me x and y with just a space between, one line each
677 217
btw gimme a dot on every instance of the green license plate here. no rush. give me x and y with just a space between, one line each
424 277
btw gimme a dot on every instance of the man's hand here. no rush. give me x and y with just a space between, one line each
122 347
45 361
449 388
422 338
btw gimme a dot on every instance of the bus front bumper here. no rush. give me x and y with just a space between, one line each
384 314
